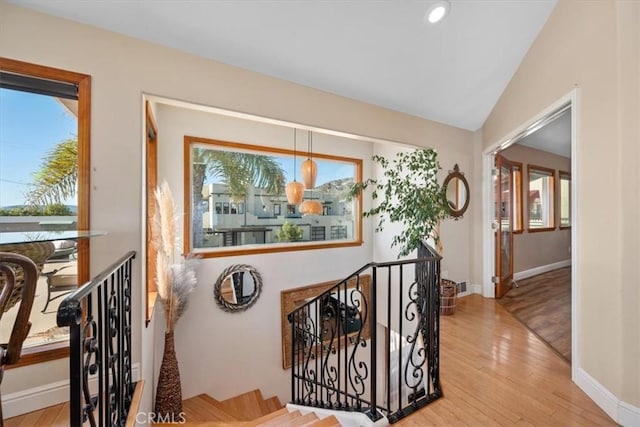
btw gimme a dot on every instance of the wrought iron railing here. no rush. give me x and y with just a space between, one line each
98 315
370 343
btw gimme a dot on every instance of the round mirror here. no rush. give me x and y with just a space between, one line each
237 288
457 192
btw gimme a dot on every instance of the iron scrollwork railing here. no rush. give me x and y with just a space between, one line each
335 347
98 315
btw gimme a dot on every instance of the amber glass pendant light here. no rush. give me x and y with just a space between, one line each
294 189
309 168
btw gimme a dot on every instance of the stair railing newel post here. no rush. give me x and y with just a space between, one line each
175 280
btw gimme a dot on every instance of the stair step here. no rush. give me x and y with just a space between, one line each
280 420
330 421
305 420
205 408
247 406
273 403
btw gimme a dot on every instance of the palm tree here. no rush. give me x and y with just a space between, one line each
239 171
56 179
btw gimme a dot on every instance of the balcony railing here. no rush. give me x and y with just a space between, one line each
370 343
98 315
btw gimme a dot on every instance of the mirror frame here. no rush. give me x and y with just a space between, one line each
217 288
455 173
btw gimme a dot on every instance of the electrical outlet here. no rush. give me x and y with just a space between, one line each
445 274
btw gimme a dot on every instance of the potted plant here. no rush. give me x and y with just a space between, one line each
410 194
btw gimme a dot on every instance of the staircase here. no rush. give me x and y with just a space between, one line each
249 409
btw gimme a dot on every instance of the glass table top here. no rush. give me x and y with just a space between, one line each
13 237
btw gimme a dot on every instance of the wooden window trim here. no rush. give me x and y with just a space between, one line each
560 175
151 171
518 182
552 198
188 140
46 352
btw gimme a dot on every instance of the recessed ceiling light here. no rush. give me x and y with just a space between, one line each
437 11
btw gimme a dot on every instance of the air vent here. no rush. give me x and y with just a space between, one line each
462 287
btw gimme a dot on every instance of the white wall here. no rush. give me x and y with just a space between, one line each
246 346
122 69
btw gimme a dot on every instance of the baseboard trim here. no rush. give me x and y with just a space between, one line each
471 289
542 269
36 398
628 415
621 412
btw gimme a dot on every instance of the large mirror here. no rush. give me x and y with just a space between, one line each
237 288
457 192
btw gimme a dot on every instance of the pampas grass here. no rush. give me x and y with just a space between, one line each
175 280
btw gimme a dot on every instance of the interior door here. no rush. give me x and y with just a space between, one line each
504 230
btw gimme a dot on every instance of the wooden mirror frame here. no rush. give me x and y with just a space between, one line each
455 173
291 299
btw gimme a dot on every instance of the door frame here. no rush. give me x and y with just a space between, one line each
488 262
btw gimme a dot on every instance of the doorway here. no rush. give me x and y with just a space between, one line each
529 203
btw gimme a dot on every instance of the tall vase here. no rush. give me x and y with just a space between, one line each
169 390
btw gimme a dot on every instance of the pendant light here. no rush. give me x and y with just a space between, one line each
309 169
311 207
295 189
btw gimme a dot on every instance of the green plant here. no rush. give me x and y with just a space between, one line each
289 232
410 194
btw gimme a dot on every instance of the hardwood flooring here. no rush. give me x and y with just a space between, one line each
494 371
543 304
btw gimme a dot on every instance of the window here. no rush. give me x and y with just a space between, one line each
255 176
541 197
517 197
565 199
57 198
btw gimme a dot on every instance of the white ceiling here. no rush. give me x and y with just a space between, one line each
554 137
380 52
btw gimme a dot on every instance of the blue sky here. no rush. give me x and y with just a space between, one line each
30 126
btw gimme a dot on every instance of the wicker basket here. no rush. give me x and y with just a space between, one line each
448 296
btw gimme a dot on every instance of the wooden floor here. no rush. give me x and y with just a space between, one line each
494 371
543 304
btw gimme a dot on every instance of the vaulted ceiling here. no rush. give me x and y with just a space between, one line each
380 52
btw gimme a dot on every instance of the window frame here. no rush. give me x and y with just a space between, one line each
58 350
518 216
551 173
270 247
562 174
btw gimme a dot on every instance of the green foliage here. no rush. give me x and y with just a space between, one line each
241 170
57 176
55 209
409 194
289 232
